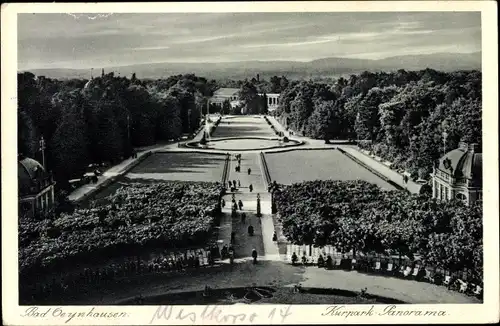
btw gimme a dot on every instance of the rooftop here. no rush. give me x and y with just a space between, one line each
464 162
226 91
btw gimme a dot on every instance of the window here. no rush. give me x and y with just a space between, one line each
479 195
446 193
443 188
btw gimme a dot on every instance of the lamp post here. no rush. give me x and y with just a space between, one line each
42 149
259 214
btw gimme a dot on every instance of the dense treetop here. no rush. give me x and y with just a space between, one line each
359 216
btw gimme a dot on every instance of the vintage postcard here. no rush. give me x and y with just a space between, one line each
250 163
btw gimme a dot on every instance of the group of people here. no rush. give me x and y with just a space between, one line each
228 251
235 184
235 205
65 284
328 263
237 168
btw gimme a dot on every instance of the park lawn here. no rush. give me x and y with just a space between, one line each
308 165
179 167
165 167
245 126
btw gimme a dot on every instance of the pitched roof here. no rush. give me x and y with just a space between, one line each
226 91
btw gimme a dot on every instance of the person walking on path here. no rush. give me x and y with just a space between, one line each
229 183
243 217
223 203
239 184
249 171
254 256
240 204
250 187
234 183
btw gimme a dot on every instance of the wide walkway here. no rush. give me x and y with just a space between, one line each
394 176
263 226
271 273
118 169
255 178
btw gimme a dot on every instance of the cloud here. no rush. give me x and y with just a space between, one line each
121 39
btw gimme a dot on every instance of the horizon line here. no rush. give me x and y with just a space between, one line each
241 61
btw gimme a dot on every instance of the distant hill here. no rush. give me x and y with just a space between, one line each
327 67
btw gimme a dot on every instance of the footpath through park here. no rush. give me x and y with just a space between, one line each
392 175
263 225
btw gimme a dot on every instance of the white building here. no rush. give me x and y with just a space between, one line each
459 174
231 94
224 94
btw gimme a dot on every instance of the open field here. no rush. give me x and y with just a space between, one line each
179 167
244 126
298 166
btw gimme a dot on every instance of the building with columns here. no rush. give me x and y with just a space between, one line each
458 175
273 100
231 95
35 188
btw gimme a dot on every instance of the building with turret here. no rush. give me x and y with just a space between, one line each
35 188
459 175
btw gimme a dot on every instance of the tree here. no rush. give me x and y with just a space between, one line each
322 123
108 140
263 107
143 111
169 121
70 146
26 135
248 94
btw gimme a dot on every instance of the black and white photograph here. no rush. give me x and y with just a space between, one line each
250 158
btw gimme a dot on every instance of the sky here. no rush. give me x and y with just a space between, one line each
83 41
